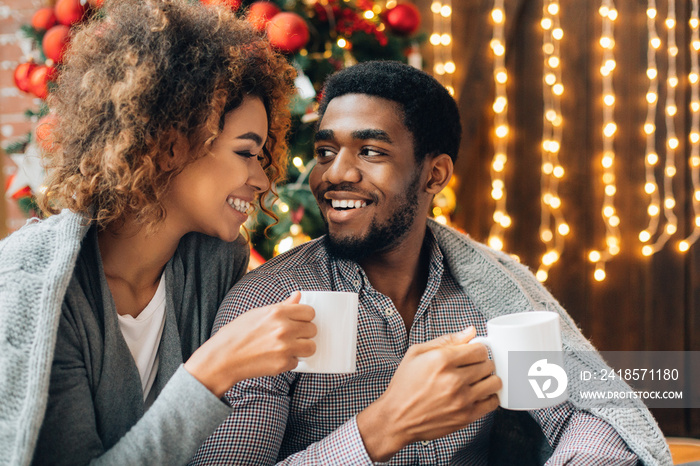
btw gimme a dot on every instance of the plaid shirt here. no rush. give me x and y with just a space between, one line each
301 418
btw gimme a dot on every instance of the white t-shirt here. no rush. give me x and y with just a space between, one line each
142 335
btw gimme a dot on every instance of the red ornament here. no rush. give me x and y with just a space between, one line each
43 131
69 11
22 73
39 80
233 4
287 32
403 19
55 42
260 14
44 19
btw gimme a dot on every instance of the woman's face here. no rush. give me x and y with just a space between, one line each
213 194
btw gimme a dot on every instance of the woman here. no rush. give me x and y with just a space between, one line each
170 115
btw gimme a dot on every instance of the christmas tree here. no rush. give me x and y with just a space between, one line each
319 37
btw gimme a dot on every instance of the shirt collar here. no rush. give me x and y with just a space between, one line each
351 276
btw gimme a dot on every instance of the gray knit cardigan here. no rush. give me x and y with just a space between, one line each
35 269
500 285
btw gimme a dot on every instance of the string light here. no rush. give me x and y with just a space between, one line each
501 219
612 221
553 227
441 39
650 156
656 205
694 136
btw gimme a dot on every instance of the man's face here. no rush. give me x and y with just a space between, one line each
366 179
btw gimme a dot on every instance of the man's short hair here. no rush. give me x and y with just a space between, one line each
429 111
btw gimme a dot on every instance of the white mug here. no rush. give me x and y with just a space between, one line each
336 332
527 352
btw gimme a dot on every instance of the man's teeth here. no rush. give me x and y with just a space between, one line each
239 204
348 204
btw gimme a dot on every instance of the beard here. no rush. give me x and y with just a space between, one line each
380 236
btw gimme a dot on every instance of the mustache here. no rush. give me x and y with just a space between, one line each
344 187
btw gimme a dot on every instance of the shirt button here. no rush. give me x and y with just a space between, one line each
356 283
388 311
425 443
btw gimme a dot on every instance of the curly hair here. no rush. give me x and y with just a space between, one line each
430 113
134 81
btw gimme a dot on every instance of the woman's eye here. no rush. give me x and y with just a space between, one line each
247 154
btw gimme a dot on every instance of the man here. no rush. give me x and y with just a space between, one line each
387 138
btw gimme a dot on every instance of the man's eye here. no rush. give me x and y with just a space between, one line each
322 153
369 152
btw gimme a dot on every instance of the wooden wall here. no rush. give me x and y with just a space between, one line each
645 303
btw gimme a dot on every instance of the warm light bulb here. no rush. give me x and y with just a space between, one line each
649 188
496 14
653 158
609 100
558 34
671 229
670 170
495 243
647 250
683 246
651 13
594 256
652 73
649 128
546 23
563 229
673 143
541 276
609 129
553 9
644 236
653 210
599 275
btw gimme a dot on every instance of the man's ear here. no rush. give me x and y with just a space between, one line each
440 169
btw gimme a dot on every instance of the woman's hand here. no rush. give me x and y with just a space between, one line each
263 341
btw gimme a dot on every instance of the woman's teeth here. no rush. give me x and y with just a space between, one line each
239 204
347 204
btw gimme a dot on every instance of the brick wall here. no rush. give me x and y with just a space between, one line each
13 102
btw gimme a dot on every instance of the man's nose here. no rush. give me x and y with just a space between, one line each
343 169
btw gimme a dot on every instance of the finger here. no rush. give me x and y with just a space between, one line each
449 339
304 329
466 354
300 312
305 348
482 407
293 298
477 372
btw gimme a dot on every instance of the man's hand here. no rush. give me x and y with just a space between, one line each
441 386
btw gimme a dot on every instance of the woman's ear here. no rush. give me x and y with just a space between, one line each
440 169
176 154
